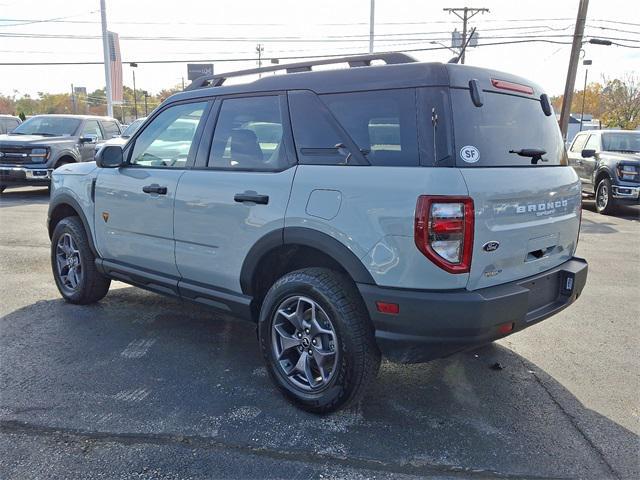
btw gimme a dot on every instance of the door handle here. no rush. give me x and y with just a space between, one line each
251 197
155 188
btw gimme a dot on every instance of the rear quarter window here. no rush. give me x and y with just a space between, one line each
485 135
381 123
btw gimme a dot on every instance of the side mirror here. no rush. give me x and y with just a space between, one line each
589 152
110 156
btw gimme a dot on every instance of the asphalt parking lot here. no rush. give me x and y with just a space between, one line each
141 386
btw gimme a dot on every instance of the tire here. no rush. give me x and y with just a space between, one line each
2 188
605 203
338 365
70 249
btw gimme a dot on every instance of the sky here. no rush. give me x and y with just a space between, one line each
224 30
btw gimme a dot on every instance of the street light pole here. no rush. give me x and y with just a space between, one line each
259 50
133 66
372 15
586 63
107 58
146 112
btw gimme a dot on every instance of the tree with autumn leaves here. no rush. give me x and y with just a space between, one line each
615 102
93 103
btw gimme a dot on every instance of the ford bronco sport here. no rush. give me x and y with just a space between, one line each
407 209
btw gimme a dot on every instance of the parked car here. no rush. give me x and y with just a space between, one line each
126 134
608 164
30 152
410 209
8 123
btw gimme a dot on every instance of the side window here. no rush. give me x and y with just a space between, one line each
578 143
12 124
92 129
382 124
111 129
593 143
4 126
249 135
314 131
168 139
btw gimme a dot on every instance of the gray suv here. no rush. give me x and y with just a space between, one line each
32 150
411 210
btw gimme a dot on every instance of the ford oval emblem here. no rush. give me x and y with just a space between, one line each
491 246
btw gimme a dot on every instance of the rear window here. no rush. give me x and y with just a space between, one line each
485 135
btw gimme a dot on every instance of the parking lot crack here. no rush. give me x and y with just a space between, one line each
13 427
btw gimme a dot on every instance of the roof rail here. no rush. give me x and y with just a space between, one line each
353 61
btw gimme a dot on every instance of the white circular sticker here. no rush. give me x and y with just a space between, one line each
469 154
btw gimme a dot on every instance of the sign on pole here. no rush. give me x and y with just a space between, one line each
197 70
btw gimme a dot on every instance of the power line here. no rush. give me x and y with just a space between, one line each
252 59
46 20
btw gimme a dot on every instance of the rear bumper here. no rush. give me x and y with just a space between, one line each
434 324
15 175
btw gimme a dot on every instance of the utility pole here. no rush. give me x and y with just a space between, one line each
133 66
466 15
107 58
371 24
146 111
586 63
73 99
259 50
565 113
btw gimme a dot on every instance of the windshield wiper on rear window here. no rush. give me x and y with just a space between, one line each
534 153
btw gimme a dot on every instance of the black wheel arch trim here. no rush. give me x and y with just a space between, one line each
306 237
66 153
64 199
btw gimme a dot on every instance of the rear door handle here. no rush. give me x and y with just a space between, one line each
251 197
155 188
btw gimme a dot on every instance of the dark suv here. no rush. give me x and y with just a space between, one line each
32 150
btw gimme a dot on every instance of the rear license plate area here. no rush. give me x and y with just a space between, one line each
543 290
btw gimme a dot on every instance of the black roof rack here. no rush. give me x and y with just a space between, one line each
353 61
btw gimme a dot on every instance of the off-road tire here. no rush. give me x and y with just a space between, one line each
358 358
92 286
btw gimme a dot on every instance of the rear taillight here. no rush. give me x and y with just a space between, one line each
443 231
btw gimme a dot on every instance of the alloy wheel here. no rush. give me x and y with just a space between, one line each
603 196
304 342
69 263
